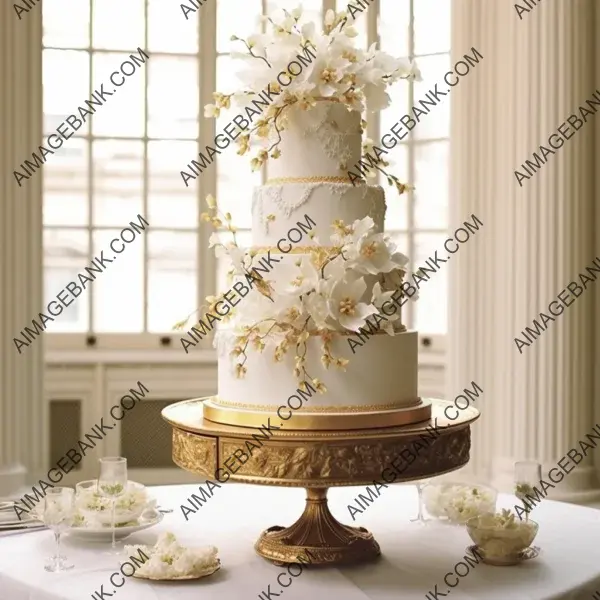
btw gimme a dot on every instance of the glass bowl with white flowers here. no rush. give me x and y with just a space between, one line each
94 509
500 536
457 502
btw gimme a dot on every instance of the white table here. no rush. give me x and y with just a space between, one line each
414 559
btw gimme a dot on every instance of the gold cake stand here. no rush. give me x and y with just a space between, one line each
317 460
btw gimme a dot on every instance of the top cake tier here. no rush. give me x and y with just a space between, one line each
323 141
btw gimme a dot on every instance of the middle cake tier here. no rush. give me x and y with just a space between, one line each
278 208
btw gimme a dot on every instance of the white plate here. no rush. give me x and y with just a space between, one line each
204 573
104 534
10 518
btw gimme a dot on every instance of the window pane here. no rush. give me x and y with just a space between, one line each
236 17
170 203
66 185
401 239
431 185
66 80
180 77
399 96
61 32
118 181
119 290
66 255
396 215
118 25
168 28
172 278
431 308
432 34
122 114
224 264
436 124
394 25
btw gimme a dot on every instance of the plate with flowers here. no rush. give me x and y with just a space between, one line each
168 560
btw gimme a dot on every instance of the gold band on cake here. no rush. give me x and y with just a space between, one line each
286 418
330 409
312 179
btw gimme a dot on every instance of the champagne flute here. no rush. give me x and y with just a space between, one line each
58 513
527 475
420 518
112 483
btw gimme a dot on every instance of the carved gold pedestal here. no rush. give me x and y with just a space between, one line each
317 460
317 537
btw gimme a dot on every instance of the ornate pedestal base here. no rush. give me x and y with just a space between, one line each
318 460
317 538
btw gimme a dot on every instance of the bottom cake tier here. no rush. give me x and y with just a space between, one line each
381 377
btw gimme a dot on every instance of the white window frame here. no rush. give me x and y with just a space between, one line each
151 347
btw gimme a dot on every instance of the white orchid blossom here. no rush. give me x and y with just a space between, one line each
380 298
345 303
236 255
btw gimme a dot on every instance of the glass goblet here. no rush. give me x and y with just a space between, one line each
527 475
420 518
58 513
112 483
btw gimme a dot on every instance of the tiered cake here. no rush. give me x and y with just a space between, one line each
377 384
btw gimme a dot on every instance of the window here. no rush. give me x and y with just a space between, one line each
419 29
126 159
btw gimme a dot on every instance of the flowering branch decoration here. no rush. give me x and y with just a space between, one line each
337 70
371 162
335 289
240 259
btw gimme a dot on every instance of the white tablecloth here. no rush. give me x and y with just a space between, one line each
413 559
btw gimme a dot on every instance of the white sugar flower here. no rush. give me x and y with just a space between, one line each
257 307
378 299
334 271
345 304
372 253
307 278
328 74
353 233
211 111
317 308
287 308
213 240
236 254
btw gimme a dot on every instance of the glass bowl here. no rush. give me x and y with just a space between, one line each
95 508
498 542
456 502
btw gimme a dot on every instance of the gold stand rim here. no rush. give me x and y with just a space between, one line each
188 416
317 538
307 421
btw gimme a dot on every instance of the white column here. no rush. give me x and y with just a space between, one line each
536 239
20 248
597 244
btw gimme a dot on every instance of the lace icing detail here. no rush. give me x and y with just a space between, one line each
289 205
287 200
285 203
327 131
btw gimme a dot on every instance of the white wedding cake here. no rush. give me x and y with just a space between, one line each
318 342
